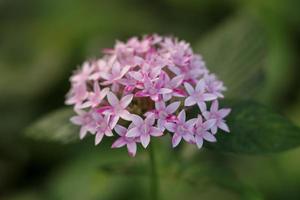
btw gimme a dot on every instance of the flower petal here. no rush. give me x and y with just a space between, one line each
223 126
214 106
199 142
145 140
176 81
150 119
209 124
209 97
108 133
181 116
76 120
131 148
120 130
189 138
98 138
170 126
190 90
136 120
134 132
191 122
209 137
224 112
113 121
202 106
176 139
126 115
200 86
156 132
112 99
189 101
214 129
172 107
165 91
103 93
126 100
120 142
83 132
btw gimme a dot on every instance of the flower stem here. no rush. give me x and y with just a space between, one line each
154 185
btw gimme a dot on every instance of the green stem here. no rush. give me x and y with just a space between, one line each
153 174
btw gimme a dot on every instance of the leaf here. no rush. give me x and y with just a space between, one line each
256 129
55 126
237 51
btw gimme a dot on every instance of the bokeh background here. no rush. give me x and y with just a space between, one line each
252 45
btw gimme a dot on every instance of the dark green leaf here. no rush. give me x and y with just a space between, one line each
256 129
55 126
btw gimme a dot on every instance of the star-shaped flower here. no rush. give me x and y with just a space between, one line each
202 131
182 129
118 108
77 95
217 115
164 113
198 95
123 140
83 75
144 129
102 127
153 89
95 97
85 120
174 86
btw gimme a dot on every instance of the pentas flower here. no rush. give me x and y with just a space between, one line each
143 129
198 95
202 131
123 140
217 115
144 88
117 108
95 97
164 113
182 129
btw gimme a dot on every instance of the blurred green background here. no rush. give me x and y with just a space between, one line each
252 45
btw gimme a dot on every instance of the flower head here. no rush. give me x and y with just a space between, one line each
147 85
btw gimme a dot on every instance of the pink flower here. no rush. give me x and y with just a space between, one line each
217 115
202 131
164 113
95 97
101 127
153 89
214 86
101 66
130 142
174 85
77 95
144 129
85 120
182 129
118 108
83 75
117 72
198 95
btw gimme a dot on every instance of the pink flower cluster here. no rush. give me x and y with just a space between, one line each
147 85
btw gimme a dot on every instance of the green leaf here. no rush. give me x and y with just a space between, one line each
55 126
256 129
237 51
